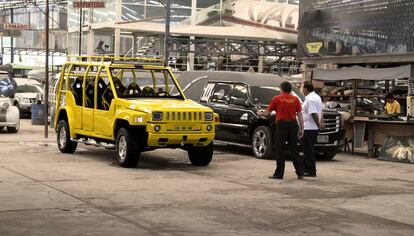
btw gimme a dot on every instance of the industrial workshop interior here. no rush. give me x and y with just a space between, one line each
206 117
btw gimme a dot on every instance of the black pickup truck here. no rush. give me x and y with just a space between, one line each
237 96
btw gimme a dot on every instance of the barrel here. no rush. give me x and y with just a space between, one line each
37 114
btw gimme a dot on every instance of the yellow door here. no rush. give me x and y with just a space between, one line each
87 119
74 92
103 122
75 99
89 104
105 108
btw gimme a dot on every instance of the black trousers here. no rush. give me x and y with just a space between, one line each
287 131
309 140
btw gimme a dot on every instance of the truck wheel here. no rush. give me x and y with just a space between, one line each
1 128
127 149
12 130
262 144
64 143
326 156
201 156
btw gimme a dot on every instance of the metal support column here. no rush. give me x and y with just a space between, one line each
117 42
190 56
118 18
167 31
90 45
80 29
260 63
46 122
162 45
11 38
134 45
2 51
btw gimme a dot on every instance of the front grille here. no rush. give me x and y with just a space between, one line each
332 124
183 116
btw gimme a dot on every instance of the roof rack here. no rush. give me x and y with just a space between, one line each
117 60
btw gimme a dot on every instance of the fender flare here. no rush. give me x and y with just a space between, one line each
69 117
127 117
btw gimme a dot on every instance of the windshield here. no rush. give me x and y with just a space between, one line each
139 83
262 95
28 89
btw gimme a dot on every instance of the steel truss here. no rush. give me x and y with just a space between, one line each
14 4
216 47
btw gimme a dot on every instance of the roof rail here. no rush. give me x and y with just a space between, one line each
116 60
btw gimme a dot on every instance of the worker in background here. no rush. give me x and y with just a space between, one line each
100 48
313 122
288 111
391 106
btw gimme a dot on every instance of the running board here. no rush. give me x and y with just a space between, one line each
94 143
231 143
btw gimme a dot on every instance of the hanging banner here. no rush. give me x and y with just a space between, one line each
16 26
355 27
84 4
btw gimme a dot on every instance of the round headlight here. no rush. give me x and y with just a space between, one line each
157 128
6 105
209 128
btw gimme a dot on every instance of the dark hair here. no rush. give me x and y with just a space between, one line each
308 86
389 96
286 87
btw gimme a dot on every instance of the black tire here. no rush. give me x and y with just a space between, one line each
201 156
326 156
12 130
1 128
65 144
127 148
262 142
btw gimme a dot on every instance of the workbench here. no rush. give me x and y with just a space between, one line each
378 130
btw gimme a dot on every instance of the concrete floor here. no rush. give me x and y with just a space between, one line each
44 192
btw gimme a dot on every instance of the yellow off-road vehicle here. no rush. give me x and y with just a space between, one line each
128 104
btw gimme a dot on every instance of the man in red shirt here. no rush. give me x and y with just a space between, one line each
287 108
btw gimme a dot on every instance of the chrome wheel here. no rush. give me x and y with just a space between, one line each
260 141
62 137
63 141
122 148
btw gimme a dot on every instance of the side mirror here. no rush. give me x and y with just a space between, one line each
241 102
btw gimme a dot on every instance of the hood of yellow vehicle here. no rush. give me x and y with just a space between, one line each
148 105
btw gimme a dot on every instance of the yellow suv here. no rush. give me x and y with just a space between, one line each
128 104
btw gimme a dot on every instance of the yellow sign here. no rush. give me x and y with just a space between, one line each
314 47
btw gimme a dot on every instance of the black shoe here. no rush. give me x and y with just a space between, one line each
300 176
275 177
307 174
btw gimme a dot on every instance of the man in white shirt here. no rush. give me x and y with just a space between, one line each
313 122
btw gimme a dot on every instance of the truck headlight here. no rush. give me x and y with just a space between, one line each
6 106
157 116
208 116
